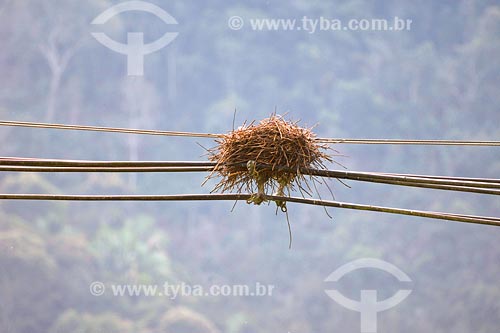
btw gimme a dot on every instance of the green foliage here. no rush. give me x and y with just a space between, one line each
184 320
73 322
134 251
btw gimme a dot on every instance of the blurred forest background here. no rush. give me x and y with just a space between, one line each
441 80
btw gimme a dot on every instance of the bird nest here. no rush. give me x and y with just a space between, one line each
267 159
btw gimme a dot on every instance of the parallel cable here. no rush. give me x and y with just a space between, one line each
474 185
105 169
371 176
472 179
36 162
470 189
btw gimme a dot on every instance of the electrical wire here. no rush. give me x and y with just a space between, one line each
106 129
412 142
473 185
493 221
487 143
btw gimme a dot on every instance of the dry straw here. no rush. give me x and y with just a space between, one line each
266 159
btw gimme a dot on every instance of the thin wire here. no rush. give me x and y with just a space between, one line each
493 221
106 129
487 143
210 135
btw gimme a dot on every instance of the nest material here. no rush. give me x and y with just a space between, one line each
267 158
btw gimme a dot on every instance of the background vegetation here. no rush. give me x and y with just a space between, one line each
439 80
